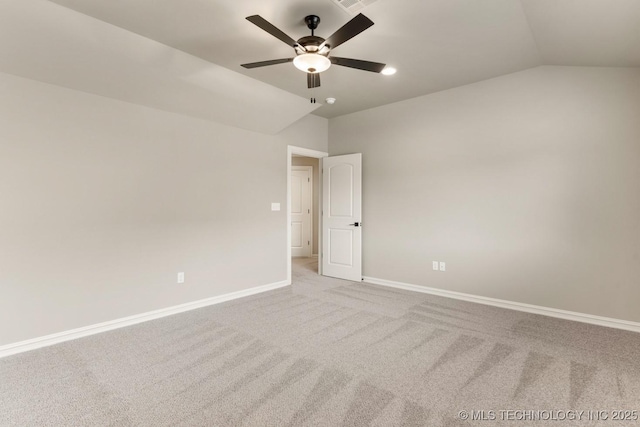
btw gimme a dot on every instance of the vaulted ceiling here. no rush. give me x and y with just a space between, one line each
434 44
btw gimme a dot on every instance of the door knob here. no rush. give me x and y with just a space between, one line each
356 224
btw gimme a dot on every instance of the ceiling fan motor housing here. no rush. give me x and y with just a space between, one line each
312 43
309 57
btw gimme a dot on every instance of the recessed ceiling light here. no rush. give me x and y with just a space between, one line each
388 71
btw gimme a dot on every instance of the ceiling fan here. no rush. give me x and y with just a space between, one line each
312 52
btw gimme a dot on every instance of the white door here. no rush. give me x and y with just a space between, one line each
301 189
341 217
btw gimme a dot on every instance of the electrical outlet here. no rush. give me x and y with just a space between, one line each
442 266
435 265
181 277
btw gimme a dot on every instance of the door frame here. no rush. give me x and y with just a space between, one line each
306 152
309 169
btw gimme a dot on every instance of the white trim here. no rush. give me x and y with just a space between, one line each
512 305
291 150
47 340
307 152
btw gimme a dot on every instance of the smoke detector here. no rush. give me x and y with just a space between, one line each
352 6
330 101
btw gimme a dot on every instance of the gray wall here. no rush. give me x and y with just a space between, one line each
309 161
103 202
527 185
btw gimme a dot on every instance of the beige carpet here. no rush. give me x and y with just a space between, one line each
327 352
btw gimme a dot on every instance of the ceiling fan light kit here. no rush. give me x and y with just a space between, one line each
313 52
311 62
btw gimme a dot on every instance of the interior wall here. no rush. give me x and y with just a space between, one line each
104 202
310 161
527 186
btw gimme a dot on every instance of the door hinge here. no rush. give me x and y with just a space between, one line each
308 179
308 242
308 211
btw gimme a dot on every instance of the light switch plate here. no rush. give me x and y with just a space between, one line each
275 206
435 265
442 266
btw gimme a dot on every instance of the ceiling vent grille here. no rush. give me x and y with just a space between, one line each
353 6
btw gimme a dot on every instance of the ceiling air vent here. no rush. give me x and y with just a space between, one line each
353 6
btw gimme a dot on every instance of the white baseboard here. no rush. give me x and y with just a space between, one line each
511 305
47 340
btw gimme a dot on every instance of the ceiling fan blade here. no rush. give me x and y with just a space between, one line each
265 63
348 31
271 29
374 67
313 80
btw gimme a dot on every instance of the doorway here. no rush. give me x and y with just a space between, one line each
298 156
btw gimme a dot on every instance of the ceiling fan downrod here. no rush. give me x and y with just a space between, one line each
312 22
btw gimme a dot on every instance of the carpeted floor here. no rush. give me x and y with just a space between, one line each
328 352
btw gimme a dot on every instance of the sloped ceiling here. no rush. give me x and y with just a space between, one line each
46 42
434 44
602 33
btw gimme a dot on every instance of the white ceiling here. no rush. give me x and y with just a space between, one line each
43 41
434 44
602 33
